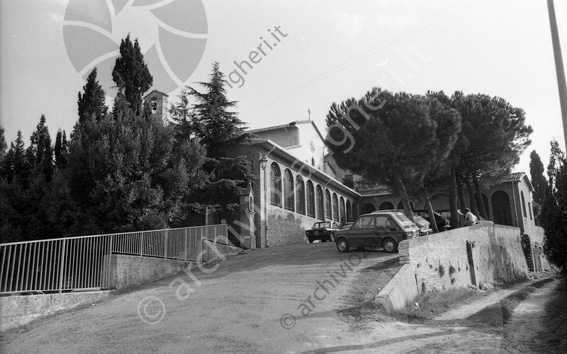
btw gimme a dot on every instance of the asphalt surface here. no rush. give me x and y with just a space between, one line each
275 300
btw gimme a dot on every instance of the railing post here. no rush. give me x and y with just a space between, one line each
186 250
165 244
62 265
141 243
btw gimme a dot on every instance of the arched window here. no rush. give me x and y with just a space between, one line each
310 199
288 190
530 210
348 211
335 207
386 206
275 185
328 208
342 216
320 204
300 195
523 204
501 209
369 207
440 202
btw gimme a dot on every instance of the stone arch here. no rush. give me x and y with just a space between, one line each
386 206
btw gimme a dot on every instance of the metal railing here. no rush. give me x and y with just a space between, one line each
83 263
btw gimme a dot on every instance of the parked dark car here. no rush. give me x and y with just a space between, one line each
379 229
441 221
322 230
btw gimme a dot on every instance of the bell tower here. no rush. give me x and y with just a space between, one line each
158 104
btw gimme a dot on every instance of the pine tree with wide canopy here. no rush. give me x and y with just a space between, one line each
392 138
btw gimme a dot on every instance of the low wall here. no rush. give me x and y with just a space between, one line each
479 255
18 310
287 227
399 291
126 270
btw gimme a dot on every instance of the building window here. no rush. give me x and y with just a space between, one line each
369 208
335 207
530 210
342 213
313 162
320 204
348 211
300 195
523 204
387 206
275 185
310 199
154 105
328 205
288 191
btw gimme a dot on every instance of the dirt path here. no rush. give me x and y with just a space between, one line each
522 331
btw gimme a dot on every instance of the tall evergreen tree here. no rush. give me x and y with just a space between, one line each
92 101
553 216
3 145
538 182
60 150
40 151
16 166
131 74
217 128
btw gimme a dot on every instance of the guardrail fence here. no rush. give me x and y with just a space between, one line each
81 263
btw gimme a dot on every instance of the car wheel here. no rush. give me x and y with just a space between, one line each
342 245
389 245
310 240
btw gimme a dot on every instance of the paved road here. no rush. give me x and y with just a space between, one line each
275 300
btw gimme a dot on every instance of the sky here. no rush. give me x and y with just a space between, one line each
312 53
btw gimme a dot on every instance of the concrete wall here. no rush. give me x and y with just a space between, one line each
440 262
399 291
286 227
20 310
126 270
